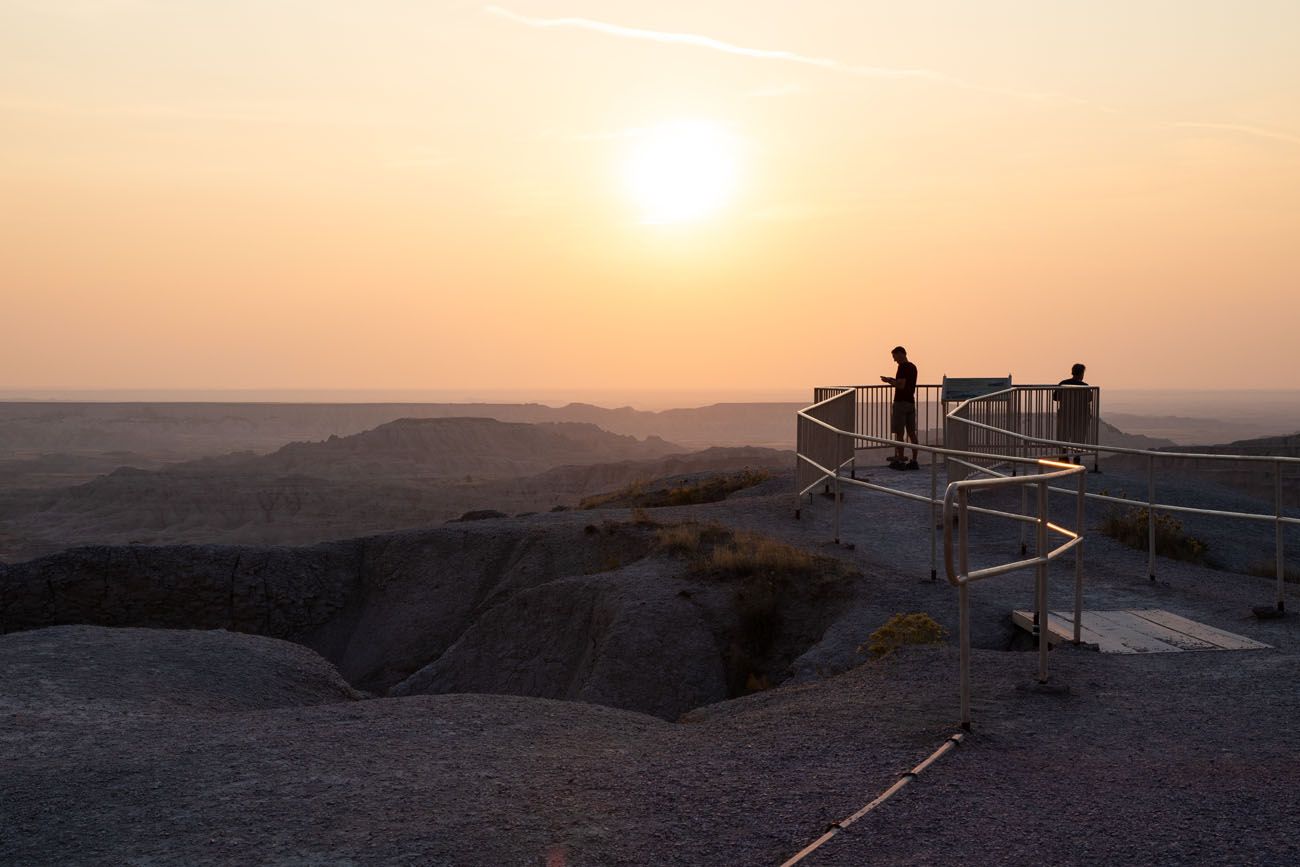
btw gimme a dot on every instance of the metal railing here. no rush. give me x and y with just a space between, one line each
961 415
963 576
826 444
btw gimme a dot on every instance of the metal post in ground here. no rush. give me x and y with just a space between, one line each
1096 433
963 604
1151 517
934 528
837 507
1278 543
1078 560
1043 625
1024 510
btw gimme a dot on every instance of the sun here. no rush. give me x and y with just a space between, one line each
682 171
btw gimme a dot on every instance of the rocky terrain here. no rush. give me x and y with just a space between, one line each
170 745
180 431
406 473
1252 477
603 612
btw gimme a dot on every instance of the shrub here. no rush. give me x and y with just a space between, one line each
1130 528
901 629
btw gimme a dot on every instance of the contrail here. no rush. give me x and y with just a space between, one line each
1244 129
697 41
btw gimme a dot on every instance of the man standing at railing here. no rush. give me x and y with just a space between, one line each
1073 409
902 416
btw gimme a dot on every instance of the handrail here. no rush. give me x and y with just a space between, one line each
964 576
1280 462
1278 519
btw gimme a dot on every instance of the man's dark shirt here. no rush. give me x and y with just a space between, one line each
1057 393
905 389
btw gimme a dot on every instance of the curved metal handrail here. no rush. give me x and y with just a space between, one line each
961 576
1278 519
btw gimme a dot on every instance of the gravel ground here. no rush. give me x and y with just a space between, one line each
1169 758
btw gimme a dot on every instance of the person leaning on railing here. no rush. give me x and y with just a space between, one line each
902 416
1073 410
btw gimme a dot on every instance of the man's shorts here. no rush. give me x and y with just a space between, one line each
902 418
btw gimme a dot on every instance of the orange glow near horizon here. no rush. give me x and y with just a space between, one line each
646 196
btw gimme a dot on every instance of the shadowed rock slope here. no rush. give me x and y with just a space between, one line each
562 609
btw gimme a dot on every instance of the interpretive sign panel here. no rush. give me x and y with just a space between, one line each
957 388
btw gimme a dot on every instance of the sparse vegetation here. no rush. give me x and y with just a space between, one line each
749 554
714 488
772 580
630 491
641 518
1130 528
710 489
903 629
691 538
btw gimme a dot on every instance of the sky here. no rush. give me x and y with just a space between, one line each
625 196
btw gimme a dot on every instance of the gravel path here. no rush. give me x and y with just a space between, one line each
1171 758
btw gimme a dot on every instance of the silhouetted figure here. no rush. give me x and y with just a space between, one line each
902 415
1073 410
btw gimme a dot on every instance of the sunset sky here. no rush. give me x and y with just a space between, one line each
569 194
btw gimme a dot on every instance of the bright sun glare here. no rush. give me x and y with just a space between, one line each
682 171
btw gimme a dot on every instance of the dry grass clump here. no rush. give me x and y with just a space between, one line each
1130 528
630 491
901 629
707 490
713 488
751 554
776 589
690 538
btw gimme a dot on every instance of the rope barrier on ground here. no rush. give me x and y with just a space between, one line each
837 827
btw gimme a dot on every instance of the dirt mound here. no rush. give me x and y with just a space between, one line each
80 669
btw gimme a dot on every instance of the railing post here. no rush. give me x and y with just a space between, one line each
1043 622
1151 517
1078 560
1278 544
934 529
1024 510
963 604
837 506
1096 431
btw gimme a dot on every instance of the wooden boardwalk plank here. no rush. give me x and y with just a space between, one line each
1061 627
1121 638
1129 620
1134 630
1220 638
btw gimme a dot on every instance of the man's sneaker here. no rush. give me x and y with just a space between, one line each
897 465
912 465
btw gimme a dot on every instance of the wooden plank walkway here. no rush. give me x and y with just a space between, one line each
1138 630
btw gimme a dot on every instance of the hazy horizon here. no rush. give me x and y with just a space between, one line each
1213 403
